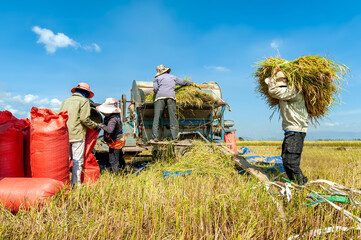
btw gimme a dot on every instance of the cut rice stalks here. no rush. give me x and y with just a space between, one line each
188 96
317 78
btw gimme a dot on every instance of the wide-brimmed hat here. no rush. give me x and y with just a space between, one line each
85 87
110 105
281 79
161 69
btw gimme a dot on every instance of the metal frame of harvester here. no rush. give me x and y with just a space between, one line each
205 122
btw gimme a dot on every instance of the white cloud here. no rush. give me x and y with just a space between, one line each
96 47
331 124
275 44
17 98
55 102
218 68
93 47
30 98
11 109
14 111
21 105
54 41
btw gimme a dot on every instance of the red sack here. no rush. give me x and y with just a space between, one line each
11 145
91 168
16 193
49 148
230 137
6 116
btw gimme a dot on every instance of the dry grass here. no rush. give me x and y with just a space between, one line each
214 202
346 144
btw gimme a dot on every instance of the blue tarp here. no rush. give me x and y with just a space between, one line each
167 174
275 163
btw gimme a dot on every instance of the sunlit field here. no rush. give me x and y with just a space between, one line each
213 201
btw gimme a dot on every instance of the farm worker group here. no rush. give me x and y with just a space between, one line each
292 107
294 123
78 108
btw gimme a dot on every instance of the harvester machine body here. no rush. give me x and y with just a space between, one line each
205 122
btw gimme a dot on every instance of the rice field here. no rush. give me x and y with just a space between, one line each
214 201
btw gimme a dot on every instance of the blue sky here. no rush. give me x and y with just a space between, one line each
108 44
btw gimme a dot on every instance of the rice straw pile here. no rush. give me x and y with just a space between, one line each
201 158
188 96
317 78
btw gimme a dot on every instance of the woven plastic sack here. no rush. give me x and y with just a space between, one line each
17 193
11 145
230 137
49 148
91 170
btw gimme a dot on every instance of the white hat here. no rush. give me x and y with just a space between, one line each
161 69
281 79
110 105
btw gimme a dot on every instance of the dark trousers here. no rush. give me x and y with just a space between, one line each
159 106
291 155
116 159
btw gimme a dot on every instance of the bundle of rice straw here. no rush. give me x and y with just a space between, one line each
317 78
201 158
188 96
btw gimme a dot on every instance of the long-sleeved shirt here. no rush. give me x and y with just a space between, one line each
292 107
113 126
164 85
78 108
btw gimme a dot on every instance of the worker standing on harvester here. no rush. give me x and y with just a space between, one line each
78 107
164 88
294 123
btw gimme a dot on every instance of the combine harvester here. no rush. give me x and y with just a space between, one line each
205 123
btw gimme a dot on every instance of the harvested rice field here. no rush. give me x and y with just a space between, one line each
207 199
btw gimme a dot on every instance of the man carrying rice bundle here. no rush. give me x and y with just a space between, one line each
294 122
302 90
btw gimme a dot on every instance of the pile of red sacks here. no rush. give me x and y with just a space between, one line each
34 158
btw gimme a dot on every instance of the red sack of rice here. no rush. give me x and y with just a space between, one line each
49 148
11 145
17 193
91 168
230 137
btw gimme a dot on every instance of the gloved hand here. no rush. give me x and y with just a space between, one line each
196 86
99 126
